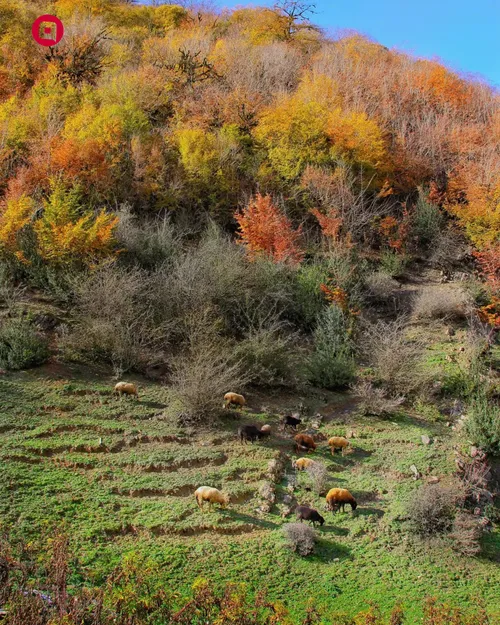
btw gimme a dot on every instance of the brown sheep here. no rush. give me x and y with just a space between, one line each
304 442
338 442
234 398
212 495
303 463
126 388
337 498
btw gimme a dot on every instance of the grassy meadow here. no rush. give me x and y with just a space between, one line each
119 476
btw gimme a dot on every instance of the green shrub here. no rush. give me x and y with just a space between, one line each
21 346
332 364
308 297
393 263
269 357
428 222
483 423
147 244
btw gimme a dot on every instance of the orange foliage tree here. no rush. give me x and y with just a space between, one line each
264 229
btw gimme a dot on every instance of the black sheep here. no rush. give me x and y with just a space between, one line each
304 513
293 422
251 433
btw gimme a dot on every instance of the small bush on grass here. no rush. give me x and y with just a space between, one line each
433 507
375 401
21 346
300 538
442 303
466 534
205 371
483 423
318 478
332 363
395 358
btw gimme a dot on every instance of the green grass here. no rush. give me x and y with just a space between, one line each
120 476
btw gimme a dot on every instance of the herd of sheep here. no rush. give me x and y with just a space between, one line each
336 498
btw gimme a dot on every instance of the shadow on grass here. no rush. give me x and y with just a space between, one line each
152 404
246 518
328 550
369 512
332 529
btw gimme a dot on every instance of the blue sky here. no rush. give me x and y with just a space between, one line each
464 34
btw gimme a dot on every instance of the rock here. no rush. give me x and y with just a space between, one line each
433 480
336 559
267 492
457 409
286 512
416 473
265 507
287 499
425 439
474 451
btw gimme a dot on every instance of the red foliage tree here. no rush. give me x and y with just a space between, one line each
489 263
264 229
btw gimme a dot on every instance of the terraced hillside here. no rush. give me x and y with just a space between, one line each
120 476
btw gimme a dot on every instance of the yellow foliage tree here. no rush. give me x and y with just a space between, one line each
15 214
67 234
294 134
357 139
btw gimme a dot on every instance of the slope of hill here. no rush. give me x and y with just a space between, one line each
204 202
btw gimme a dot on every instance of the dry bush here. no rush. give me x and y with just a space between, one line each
116 321
433 508
300 538
448 248
449 303
147 244
205 370
375 401
319 478
340 192
466 534
381 286
395 358
265 69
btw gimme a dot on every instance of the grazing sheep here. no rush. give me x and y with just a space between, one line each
234 398
126 388
212 495
338 442
304 442
304 513
291 421
303 463
337 498
252 433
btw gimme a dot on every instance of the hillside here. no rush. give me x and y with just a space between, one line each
199 202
